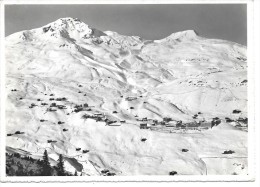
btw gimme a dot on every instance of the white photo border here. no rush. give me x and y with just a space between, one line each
253 109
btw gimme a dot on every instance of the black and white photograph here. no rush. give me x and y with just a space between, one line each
125 90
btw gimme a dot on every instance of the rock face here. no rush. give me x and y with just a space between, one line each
123 78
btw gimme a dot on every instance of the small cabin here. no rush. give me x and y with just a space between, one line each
52 110
98 114
53 105
144 119
19 132
171 124
192 125
130 98
228 152
61 107
184 150
85 151
143 139
143 126
115 123
51 141
173 173
78 149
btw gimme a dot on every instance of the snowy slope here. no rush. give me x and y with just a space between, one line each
177 77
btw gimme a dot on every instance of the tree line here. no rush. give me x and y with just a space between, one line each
27 166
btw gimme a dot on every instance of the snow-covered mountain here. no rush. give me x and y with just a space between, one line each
124 79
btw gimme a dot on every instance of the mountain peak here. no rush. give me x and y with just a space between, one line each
67 23
71 27
180 36
184 34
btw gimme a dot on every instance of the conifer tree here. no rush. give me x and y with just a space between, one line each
46 167
61 171
75 174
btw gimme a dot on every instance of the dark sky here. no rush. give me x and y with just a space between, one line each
226 21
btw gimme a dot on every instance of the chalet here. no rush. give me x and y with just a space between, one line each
228 120
144 119
98 114
173 173
109 122
228 152
52 110
61 107
205 125
9 134
104 171
179 124
171 124
19 132
85 151
143 139
195 116
98 119
115 123
51 141
64 130
78 149
60 122
143 126
110 174
166 119
215 122
78 110
61 99
122 121
78 106
130 98
236 111
192 125
243 120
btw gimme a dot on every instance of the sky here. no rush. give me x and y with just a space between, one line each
218 21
